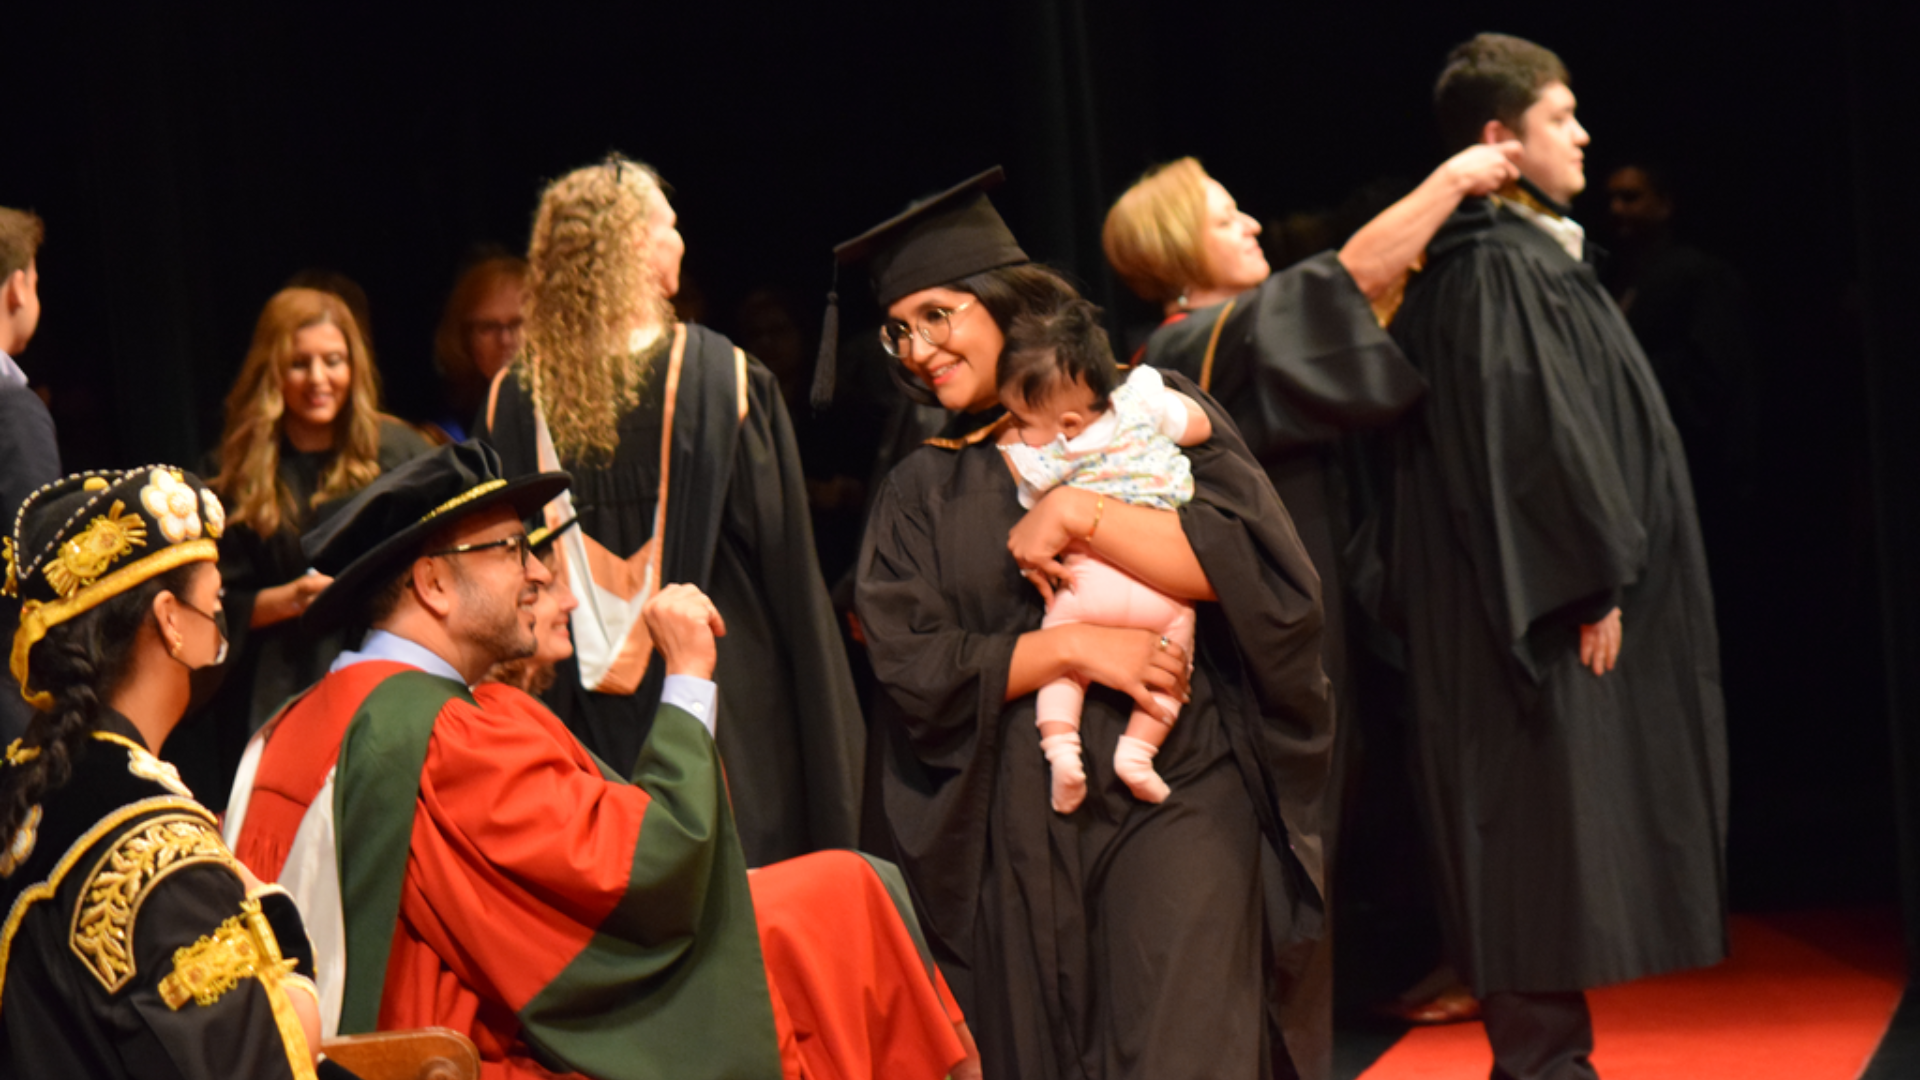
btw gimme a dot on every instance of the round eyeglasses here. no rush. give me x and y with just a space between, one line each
936 326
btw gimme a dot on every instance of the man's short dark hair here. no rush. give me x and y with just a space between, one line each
1046 351
1492 77
21 232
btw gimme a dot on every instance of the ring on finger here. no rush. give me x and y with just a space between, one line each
1164 643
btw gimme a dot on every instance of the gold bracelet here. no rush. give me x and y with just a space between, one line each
1099 508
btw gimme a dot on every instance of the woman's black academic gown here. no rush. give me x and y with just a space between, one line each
791 729
1124 939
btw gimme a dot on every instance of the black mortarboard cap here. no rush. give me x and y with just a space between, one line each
950 236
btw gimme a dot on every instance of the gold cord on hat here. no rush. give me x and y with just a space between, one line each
464 497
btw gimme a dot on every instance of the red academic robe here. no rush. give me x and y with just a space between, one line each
522 850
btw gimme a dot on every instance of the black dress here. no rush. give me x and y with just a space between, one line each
1125 939
1580 821
790 727
266 666
125 875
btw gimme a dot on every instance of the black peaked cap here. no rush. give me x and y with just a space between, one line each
381 529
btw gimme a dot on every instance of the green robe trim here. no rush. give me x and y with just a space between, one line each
674 983
376 784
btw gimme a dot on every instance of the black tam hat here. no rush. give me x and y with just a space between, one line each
85 539
950 236
381 529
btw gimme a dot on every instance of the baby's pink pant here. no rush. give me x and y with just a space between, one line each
1104 595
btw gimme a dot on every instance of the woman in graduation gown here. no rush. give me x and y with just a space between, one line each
135 945
304 431
1298 358
684 469
1124 939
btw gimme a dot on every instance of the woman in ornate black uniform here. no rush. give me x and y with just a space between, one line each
134 944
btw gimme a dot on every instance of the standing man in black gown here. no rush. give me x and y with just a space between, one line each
1545 552
29 457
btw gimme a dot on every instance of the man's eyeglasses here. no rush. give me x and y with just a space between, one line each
934 329
518 544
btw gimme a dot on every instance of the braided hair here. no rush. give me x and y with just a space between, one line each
79 662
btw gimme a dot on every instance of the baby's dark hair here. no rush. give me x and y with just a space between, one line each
1046 350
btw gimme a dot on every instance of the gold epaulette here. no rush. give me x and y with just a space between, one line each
103 921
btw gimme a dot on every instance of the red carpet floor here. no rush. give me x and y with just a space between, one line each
1803 997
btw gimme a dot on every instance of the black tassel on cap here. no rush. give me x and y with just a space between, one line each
823 366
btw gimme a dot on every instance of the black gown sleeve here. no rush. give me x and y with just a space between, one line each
1264 633
1300 359
943 704
950 683
767 524
1538 498
236 1035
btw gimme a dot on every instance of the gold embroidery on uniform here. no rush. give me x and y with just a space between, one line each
103 922
45 890
21 848
142 763
204 971
243 947
85 557
12 585
20 755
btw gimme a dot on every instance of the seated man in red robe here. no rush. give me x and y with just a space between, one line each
473 866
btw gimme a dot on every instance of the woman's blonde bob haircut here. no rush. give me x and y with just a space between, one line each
1153 233
249 481
589 289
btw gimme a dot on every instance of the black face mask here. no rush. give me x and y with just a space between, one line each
219 621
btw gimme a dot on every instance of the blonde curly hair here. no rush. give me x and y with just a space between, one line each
591 288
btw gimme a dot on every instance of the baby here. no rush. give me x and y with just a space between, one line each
1075 423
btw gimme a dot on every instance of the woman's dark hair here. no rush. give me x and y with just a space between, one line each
1491 77
1048 350
1007 293
79 662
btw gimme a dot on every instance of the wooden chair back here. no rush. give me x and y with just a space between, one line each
434 1053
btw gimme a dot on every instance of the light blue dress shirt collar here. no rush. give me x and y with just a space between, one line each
384 645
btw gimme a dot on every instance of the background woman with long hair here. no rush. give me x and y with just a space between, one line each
135 946
684 470
304 430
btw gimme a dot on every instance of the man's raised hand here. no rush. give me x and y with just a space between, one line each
684 624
